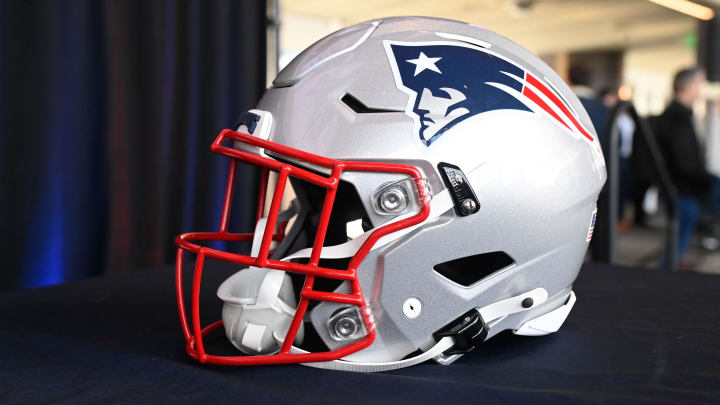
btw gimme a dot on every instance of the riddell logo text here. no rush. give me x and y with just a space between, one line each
456 180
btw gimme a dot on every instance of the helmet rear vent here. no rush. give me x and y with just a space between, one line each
468 270
360 108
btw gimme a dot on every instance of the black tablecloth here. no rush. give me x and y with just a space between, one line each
635 335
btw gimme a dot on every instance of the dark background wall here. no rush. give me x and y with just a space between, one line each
708 50
606 66
107 112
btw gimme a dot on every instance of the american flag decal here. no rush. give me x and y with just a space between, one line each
592 225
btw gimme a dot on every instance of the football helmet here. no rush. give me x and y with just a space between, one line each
444 185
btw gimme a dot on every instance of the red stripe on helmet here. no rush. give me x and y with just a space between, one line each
549 94
537 100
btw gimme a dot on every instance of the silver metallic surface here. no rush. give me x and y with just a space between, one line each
537 184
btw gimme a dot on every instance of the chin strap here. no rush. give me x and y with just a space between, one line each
437 350
494 313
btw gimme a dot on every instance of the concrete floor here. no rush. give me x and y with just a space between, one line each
642 246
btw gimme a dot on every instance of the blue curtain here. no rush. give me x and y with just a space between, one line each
107 111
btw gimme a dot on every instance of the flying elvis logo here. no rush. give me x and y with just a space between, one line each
448 82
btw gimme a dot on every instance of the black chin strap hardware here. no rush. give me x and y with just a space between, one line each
468 331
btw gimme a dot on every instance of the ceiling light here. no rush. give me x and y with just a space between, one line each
687 7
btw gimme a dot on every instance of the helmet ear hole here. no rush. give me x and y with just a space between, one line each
468 270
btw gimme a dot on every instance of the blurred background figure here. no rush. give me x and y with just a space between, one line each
643 178
609 97
713 158
626 129
581 81
712 231
685 162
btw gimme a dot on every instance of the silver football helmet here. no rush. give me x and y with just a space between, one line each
444 190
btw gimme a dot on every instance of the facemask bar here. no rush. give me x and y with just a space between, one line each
194 332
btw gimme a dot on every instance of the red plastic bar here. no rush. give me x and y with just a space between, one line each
314 258
197 330
227 202
333 297
276 166
325 215
180 295
273 215
263 192
270 264
276 147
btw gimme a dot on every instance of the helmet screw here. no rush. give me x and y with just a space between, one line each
468 206
346 326
527 302
393 200
412 307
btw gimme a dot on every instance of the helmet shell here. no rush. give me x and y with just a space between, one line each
537 180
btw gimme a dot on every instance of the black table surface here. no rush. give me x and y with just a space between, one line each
635 335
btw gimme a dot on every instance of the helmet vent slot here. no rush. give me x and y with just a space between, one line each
360 108
468 270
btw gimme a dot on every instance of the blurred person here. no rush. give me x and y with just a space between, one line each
685 162
580 80
713 158
644 174
710 239
626 128
609 97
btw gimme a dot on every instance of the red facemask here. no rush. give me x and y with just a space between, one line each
247 149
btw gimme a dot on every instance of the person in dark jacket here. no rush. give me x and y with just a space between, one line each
581 79
685 162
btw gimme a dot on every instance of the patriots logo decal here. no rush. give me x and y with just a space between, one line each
448 82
